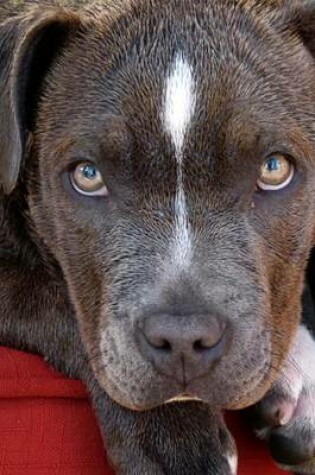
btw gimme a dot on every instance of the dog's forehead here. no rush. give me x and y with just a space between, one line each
178 74
167 76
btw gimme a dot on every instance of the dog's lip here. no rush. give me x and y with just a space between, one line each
183 398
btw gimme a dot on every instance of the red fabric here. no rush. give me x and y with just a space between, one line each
47 426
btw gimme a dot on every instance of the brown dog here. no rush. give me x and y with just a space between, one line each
157 162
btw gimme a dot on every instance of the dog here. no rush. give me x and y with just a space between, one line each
157 169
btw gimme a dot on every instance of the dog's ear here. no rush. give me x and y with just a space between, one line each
303 22
28 45
294 17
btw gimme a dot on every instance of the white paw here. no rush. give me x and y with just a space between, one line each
286 415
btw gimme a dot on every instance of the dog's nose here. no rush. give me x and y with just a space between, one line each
288 451
184 347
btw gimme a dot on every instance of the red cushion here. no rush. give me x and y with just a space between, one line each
47 426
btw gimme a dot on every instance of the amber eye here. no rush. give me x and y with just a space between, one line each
87 180
276 173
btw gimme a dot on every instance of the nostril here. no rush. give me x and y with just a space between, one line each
211 341
157 341
202 345
160 344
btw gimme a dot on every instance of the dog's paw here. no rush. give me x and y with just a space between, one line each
176 439
286 415
139 466
138 463
128 460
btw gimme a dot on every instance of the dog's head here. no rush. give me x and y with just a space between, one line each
171 175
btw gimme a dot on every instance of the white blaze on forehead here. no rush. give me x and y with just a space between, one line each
179 108
179 102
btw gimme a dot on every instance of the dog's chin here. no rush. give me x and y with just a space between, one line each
180 399
146 400
143 401
148 405
155 400
218 393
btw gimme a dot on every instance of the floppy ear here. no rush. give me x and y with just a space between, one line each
28 44
303 22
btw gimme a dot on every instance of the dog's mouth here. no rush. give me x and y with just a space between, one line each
184 398
238 380
168 391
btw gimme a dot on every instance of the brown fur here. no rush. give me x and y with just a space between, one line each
80 82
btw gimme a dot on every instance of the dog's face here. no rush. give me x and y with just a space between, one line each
171 175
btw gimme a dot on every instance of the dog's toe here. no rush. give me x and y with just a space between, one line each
290 451
274 411
291 442
285 417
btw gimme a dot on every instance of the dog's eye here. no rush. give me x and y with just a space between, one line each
87 180
276 173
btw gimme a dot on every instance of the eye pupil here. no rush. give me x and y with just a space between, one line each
273 164
89 172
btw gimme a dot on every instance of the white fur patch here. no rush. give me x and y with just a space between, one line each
295 387
179 108
182 245
298 374
180 100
